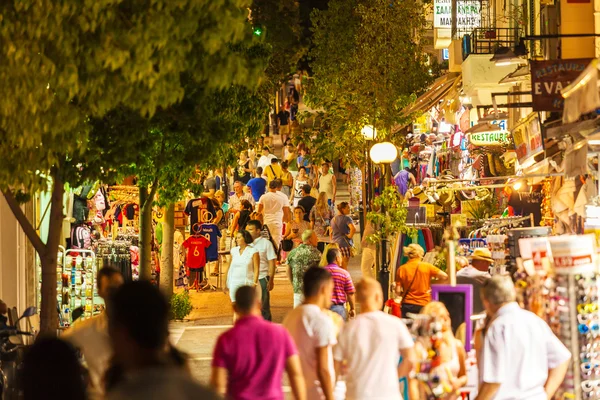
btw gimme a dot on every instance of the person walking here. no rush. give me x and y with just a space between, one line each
371 346
413 280
235 201
320 220
243 367
243 170
342 232
521 357
258 184
295 228
307 202
275 209
476 275
299 183
265 159
287 180
343 288
273 171
138 323
291 158
327 184
283 122
299 260
244 267
402 180
314 334
90 336
369 252
266 273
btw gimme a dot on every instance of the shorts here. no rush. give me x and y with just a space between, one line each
284 129
346 252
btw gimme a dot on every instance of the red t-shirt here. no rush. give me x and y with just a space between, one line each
196 251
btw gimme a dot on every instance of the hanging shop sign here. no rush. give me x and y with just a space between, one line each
495 138
468 14
573 254
536 249
549 77
527 136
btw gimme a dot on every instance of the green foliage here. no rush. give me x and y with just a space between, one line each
181 305
368 65
392 219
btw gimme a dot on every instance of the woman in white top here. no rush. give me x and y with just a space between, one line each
301 180
452 371
245 263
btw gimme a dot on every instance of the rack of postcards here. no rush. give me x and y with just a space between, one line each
59 261
560 282
76 287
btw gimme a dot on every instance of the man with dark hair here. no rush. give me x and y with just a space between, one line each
266 271
343 288
258 184
314 334
91 335
275 209
299 260
138 323
307 202
249 359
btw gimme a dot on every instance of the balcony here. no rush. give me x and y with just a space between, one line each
487 40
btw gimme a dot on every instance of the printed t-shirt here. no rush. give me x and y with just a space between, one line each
372 342
419 292
311 329
254 352
340 229
198 210
258 187
212 233
196 251
342 283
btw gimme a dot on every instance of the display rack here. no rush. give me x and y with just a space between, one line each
77 287
59 261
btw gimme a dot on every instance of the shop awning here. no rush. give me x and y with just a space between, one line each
582 96
521 74
441 88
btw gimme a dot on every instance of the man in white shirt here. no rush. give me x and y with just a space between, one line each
91 335
275 209
314 334
265 160
266 272
521 359
371 346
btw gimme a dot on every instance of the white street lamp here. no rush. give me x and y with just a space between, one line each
369 132
383 153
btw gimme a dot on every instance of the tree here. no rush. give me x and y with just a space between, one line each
368 65
63 64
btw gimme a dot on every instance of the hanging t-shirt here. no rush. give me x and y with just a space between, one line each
198 210
196 251
212 233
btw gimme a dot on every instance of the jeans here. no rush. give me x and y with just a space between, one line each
341 310
266 299
410 308
298 299
367 262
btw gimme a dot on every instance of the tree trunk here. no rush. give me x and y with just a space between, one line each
166 262
145 235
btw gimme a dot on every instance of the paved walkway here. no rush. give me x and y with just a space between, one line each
212 312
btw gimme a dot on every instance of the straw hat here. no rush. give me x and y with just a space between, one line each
482 253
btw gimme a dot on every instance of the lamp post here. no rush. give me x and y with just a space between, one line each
369 133
384 153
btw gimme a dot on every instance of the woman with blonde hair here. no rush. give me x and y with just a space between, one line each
413 280
320 220
452 369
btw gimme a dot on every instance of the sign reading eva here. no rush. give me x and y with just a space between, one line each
549 77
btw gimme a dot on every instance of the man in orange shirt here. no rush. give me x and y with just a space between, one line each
413 280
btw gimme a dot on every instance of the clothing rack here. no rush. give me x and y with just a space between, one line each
506 221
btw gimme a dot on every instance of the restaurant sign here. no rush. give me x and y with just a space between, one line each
549 77
495 138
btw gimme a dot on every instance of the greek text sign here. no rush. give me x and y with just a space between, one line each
468 14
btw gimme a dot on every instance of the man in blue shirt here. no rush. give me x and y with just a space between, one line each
257 185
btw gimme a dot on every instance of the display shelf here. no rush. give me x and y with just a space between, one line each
77 287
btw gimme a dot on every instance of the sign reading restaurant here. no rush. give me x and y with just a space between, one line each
495 138
468 14
549 77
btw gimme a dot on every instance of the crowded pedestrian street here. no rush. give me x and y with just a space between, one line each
307 200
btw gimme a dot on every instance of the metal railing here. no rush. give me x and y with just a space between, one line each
488 40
